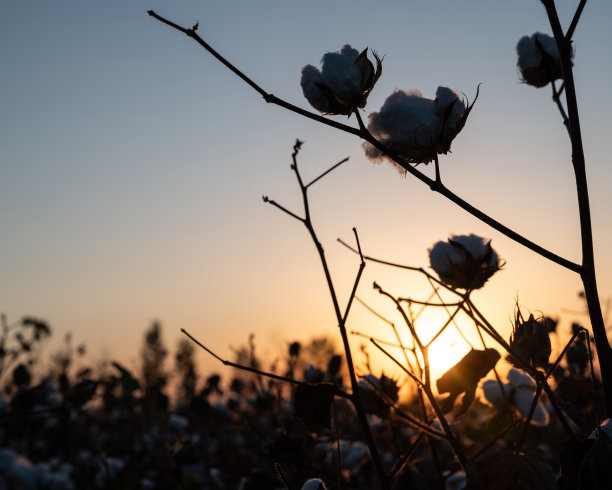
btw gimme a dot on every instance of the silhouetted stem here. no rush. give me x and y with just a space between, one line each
587 270
422 348
337 391
534 404
416 423
553 401
355 395
557 100
451 318
438 411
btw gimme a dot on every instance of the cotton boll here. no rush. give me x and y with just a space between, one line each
341 75
177 423
314 484
517 378
529 55
457 481
311 76
22 474
523 397
349 52
606 427
7 458
352 459
520 392
57 481
547 43
407 124
493 393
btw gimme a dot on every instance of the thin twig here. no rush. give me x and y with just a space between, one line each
404 459
413 421
427 303
282 208
572 27
281 476
436 292
253 370
441 418
527 424
451 318
326 172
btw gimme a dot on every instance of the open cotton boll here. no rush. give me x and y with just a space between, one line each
407 124
529 55
341 75
493 392
547 43
450 109
522 399
314 484
311 77
606 427
415 127
538 59
464 261
518 378
519 391
343 83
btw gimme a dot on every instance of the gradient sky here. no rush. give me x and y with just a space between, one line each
132 165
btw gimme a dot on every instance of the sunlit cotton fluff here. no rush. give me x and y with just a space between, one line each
415 127
343 83
538 59
464 261
519 391
314 484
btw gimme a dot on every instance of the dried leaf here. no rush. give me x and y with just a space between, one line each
464 376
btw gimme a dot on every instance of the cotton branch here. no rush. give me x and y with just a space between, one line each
433 184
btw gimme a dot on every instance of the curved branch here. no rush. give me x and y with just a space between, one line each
434 185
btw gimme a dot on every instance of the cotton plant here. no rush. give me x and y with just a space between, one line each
411 129
519 392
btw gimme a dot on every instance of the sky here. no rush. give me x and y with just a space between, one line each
132 165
